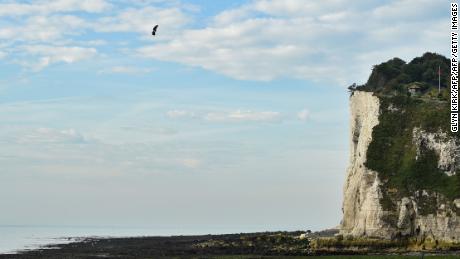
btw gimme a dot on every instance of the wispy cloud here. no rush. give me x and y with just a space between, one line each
62 24
48 55
152 130
191 163
242 116
180 114
51 6
303 115
227 116
131 70
41 28
50 135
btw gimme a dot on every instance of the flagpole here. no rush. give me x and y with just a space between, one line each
439 79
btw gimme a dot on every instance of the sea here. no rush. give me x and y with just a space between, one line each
16 238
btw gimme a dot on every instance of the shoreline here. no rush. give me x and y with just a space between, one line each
242 245
162 246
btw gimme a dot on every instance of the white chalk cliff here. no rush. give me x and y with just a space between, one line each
363 214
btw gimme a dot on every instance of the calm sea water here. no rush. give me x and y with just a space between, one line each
17 238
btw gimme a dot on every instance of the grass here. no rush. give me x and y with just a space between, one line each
336 257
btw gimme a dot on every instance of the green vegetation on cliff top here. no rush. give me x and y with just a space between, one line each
395 75
404 167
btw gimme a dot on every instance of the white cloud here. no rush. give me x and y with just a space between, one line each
315 40
54 54
126 70
49 135
295 8
59 22
96 42
227 116
232 15
238 116
407 10
43 28
303 115
41 40
51 6
180 114
151 130
191 163
259 40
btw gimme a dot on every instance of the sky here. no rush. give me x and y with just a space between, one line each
234 117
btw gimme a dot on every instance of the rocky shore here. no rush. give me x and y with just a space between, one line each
229 246
205 246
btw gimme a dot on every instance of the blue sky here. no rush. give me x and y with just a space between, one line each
233 118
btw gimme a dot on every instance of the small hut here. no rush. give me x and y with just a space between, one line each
414 88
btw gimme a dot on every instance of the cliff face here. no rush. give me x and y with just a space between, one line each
362 212
373 206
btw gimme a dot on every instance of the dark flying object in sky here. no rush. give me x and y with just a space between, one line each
154 30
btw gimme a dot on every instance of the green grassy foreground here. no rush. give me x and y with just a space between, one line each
342 257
